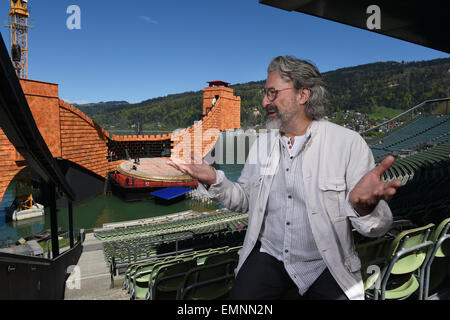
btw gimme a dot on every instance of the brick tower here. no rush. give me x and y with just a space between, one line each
219 94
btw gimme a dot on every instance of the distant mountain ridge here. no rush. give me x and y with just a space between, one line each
99 107
391 84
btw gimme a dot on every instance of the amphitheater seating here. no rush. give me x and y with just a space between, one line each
422 202
424 199
167 227
154 258
164 278
209 273
416 135
124 250
406 168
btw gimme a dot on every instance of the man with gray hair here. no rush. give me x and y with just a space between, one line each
305 184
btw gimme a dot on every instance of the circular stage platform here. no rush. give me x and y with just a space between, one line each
153 169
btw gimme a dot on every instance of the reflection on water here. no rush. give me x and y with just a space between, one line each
103 209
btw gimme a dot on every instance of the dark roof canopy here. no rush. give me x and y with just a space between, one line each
421 22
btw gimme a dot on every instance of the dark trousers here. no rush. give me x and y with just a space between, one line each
262 277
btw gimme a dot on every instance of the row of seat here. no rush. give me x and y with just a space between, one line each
205 274
202 241
406 168
134 249
195 263
393 267
414 136
412 261
426 136
414 129
173 226
425 198
432 209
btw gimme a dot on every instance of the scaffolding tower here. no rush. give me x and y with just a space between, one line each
18 25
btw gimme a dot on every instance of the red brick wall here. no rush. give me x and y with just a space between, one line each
82 140
8 166
43 100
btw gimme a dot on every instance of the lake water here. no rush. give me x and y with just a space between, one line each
103 209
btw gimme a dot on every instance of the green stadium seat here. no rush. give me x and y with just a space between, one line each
405 261
372 253
436 270
208 282
131 271
139 286
203 255
221 256
165 280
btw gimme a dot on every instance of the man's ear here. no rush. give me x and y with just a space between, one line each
303 95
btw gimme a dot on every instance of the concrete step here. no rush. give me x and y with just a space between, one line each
90 278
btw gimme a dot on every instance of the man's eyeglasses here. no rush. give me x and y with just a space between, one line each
272 93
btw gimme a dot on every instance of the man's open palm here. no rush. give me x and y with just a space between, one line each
199 170
371 189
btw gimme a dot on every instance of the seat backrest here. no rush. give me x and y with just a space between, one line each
236 249
208 282
167 279
406 240
144 267
150 268
373 252
222 256
173 268
442 230
132 267
164 262
202 254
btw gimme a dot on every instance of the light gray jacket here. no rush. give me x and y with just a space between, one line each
334 160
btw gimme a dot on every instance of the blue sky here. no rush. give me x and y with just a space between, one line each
137 50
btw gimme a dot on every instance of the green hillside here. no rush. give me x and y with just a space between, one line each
377 89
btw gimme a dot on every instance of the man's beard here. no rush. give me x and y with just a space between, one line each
274 124
280 121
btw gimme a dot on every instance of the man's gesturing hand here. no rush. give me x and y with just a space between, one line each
371 189
199 170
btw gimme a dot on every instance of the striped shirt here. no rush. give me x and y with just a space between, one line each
286 232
